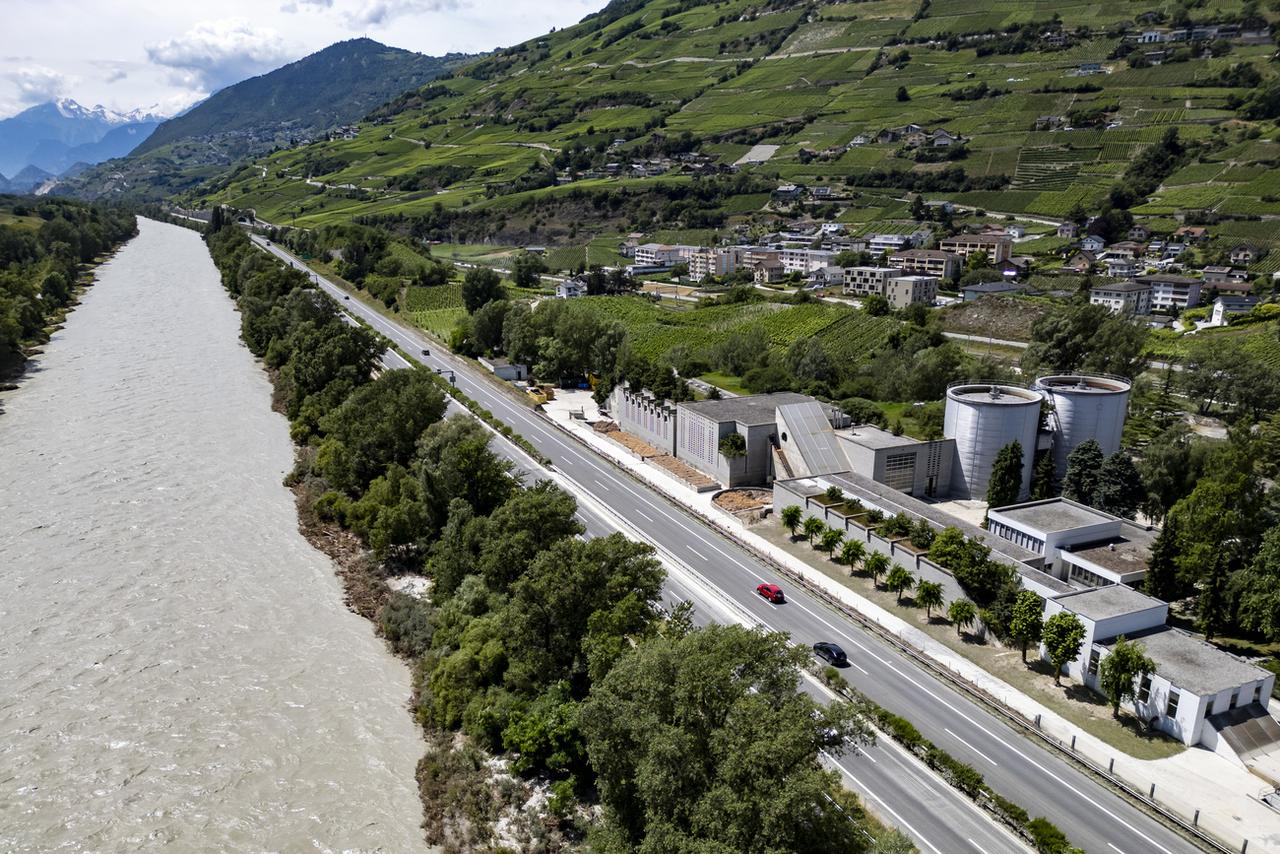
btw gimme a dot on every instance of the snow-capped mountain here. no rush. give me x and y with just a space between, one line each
58 134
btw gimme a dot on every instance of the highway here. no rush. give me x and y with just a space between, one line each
716 573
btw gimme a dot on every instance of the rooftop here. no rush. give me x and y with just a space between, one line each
751 410
811 431
1083 384
993 287
1052 515
870 436
937 254
1191 664
1113 600
1121 555
1123 287
994 393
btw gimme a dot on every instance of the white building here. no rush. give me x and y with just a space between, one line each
902 291
865 281
1199 694
1169 292
878 244
662 255
1123 297
804 260
997 247
570 288
715 261
1078 543
1227 307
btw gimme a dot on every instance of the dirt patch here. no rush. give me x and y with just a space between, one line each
743 500
662 459
995 316
685 472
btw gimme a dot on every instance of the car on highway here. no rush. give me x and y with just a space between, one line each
344 296
771 592
830 653
426 352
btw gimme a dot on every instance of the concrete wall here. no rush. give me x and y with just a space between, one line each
643 417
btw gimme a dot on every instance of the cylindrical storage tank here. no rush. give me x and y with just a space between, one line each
983 418
1085 407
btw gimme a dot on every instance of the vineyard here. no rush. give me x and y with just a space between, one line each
433 298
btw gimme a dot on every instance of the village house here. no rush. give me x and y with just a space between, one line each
1228 306
1081 262
1069 230
1093 243
1169 292
1243 255
1192 234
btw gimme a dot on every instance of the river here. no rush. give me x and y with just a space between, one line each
177 668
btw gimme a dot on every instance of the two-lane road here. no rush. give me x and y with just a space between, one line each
1028 773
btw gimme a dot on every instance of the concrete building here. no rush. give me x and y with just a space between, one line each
700 425
1067 535
878 244
973 292
996 246
570 288
1083 408
715 261
662 255
908 465
805 261
1172 293
1227 307
902 291
1199 694
504 370
929 262
641 414
1123 297
983 418
865 281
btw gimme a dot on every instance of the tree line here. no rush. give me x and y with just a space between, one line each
41 251
551 650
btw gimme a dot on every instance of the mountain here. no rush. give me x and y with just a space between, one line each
334 87
602 127
54 135
28 180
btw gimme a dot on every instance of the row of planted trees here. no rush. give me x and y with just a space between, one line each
542 647
1014 614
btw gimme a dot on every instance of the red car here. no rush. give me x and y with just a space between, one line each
772 592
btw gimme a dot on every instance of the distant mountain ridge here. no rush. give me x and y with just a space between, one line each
58 134
334 86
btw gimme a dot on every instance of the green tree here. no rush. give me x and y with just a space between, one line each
455 553
791 517
1258 589
454 460
1118 488
899 580
479 287
1084 463
852 553
527 270
962 613
1042 478
674 731
733 446
1122 670
1027 621
902 94
830 540
1063 637
1083 337
487 324
1005 485
523 527
812 527
929 596
876 565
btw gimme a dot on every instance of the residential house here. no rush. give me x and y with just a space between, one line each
862 139
804 260
1138 233
973 292
1015 231
1215 276
1229 306
1125 249
1244 255
826 277
1049 122
996 247
662 255
1192 234
1093 243
878 244
570 288
1121 268
715 261
1081 262
1089 68
902 291
865 281
930 262
788 193
942 138
1069 230
1123 297
1170 292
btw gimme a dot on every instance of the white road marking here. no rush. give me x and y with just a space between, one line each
976 845
865 672
644 515
695 551
901 821
1113 848
602 486
970 746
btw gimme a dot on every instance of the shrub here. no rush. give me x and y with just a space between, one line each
405 622
1046 836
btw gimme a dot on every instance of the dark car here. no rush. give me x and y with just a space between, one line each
772 592
426 352
831 653
346 297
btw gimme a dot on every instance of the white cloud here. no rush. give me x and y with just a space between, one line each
37 84
303 5
376 13
215 54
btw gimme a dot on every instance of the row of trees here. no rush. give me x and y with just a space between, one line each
40 256
535 642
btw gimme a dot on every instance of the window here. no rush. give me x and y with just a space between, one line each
1171 710
900 471
1144 689
1093 663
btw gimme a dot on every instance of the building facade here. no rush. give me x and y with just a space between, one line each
997 247
902 291
928 262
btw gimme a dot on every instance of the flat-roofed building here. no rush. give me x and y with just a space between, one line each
912 466
805 261
702 424
1169 292
902 291
1123 297
866 281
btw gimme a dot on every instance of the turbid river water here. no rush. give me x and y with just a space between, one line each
177 669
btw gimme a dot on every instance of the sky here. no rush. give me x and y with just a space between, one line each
165 55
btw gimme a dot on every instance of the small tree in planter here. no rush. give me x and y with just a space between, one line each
922 535
830 540
834 495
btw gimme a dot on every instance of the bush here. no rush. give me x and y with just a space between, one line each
963 777
1012 811
1046 836
902 730
405 621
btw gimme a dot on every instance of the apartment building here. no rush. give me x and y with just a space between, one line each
902 291
928 262
1123 297
662 255
715 261
804 260
865 281
998 247
1172 293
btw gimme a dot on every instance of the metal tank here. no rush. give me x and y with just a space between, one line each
1085 406
984 417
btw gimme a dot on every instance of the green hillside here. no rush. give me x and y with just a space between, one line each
516 147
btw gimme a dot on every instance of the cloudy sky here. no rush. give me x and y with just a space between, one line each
167 54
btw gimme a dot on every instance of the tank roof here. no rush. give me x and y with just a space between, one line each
1001 394
1084 384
